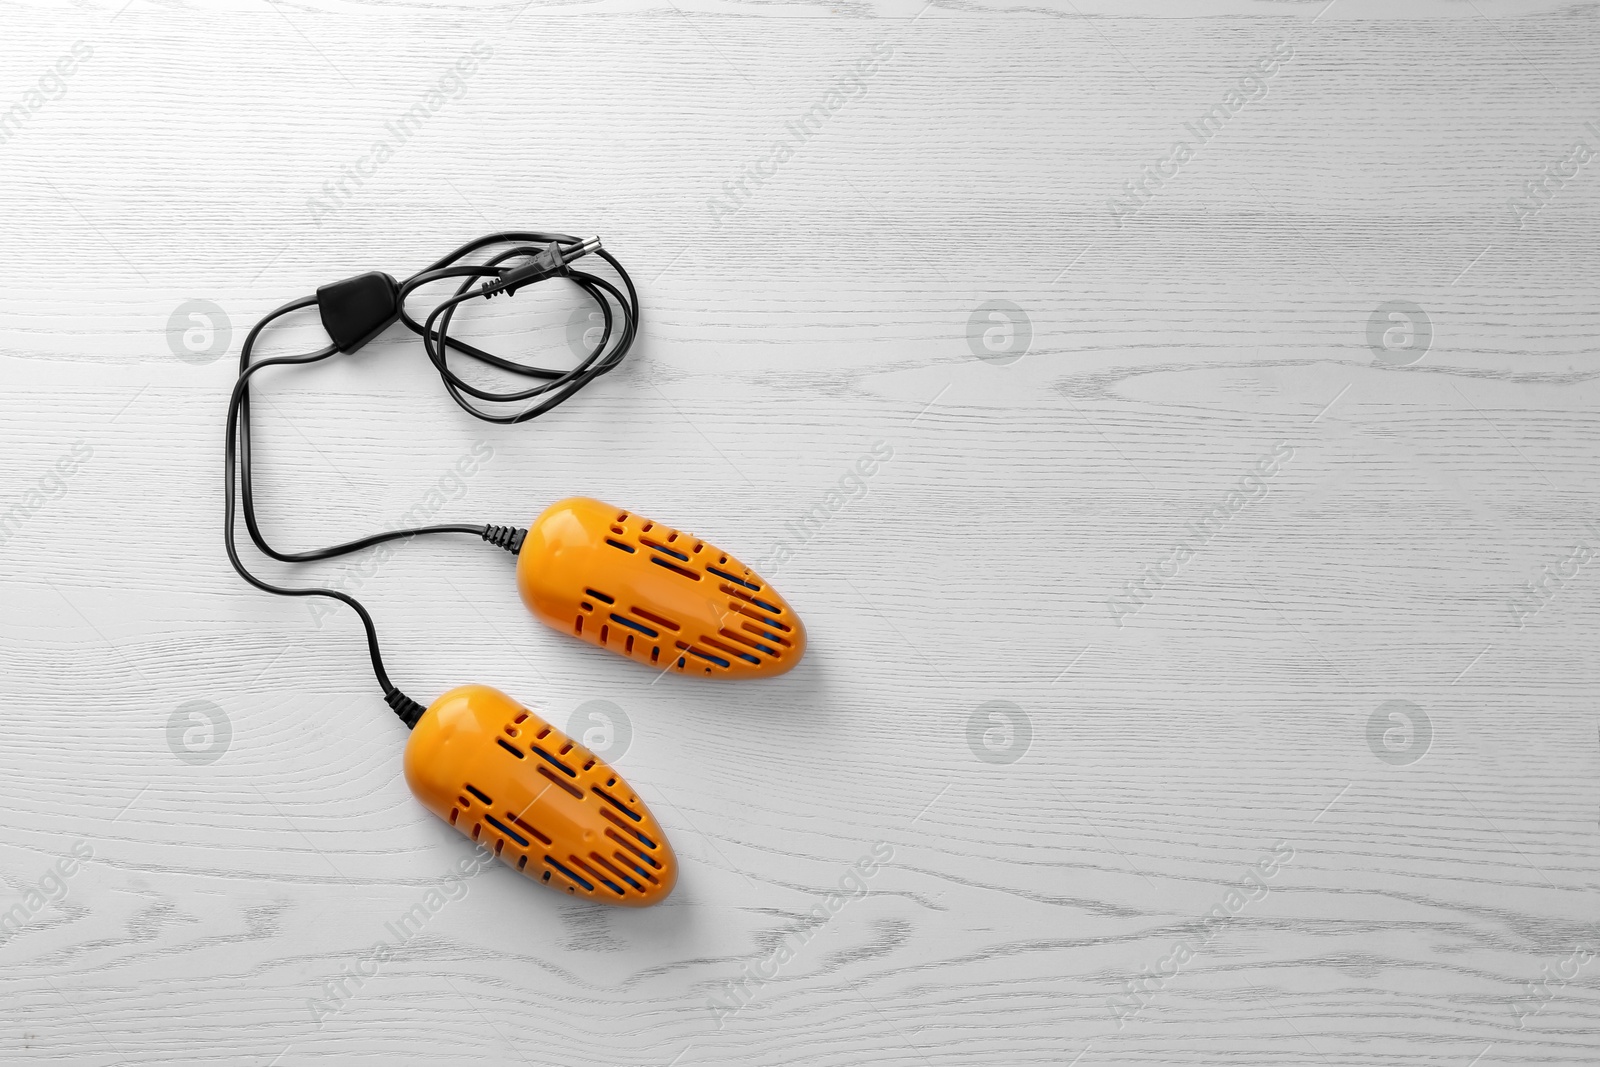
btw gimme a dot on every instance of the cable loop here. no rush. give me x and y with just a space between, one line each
547 255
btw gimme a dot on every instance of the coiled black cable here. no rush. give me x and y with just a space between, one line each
558 386
543 256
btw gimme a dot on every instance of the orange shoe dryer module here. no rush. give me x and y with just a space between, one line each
654 594
546 805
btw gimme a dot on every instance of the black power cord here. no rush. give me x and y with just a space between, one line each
356 310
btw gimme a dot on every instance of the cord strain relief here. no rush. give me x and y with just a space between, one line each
408 710
507 537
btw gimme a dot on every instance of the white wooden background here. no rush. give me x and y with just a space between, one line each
1164 756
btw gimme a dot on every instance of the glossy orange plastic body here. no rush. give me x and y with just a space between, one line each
546 805
654 594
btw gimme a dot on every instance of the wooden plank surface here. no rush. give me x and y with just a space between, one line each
1320 789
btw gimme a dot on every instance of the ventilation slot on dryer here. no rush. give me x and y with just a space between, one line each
750 612
623 620
744 639
714 643
636 850
609 814
752 628
532 830
675 569
568 875
703 654
663 548
611 868
562 782
568 771
615 803
736 581
747 598
602 879
508 831
659 620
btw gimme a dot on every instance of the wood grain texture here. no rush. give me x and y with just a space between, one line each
1169 749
